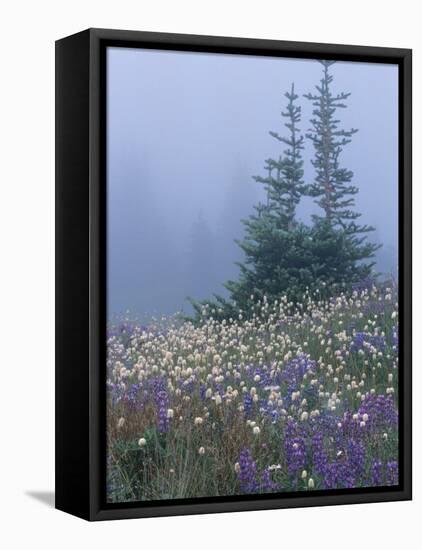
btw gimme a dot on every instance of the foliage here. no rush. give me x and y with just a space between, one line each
284 184
332 186
279 402
334 192
283 255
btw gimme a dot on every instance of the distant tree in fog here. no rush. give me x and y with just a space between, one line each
201 272
241 194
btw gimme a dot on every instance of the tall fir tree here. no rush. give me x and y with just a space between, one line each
274 246
332 186
275 243
283 256
334 191
284 184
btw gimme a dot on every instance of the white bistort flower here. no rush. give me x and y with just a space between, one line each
120 423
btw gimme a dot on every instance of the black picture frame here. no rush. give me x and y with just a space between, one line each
81 271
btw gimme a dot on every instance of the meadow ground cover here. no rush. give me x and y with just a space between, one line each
286 399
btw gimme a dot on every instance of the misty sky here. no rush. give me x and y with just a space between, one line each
186 133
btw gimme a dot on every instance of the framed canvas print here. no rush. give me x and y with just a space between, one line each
233 274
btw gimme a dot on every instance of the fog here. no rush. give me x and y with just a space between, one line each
186 134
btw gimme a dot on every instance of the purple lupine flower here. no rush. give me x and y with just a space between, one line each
247 404
131 396
187 386
270 410
356 457
219 388
364 341
295 449
161 402
381 411
358 341
319 455
247 472
264 377
115 392
339 475
293 373
202 391
296 369
157 388
376 473
267 484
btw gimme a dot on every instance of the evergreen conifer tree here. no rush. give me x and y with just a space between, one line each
274 245
284 184
283 256
334 192
277 258
332 186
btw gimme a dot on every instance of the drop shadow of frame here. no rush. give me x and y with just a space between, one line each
45 497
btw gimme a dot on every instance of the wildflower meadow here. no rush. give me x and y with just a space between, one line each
261 354
288 399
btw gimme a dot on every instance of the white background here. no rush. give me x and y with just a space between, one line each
29 29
